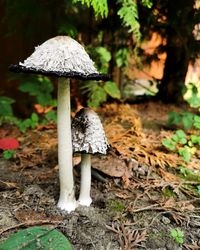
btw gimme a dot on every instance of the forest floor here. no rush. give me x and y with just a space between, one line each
138 199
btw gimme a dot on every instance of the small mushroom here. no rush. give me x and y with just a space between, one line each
62 57
88 137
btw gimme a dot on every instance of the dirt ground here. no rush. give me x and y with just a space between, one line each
137 197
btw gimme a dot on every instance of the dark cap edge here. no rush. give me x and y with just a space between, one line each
76 75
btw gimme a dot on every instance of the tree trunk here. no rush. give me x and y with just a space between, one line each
179 36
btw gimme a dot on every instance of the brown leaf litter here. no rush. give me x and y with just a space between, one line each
126 134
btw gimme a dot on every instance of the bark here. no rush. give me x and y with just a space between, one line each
179 37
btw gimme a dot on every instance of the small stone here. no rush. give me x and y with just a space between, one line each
165 220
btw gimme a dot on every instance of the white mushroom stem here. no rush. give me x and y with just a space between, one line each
84 197
67 197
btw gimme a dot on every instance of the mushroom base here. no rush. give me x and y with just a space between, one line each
67 206
85 201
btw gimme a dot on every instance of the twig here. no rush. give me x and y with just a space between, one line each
154 218
155 206
112 229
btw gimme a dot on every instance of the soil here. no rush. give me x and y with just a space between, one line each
135 205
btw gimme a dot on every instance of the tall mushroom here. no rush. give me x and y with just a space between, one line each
88 137
64 58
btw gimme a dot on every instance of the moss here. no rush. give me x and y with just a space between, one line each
116 206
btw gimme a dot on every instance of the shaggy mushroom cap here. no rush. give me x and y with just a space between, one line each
88 135
60 56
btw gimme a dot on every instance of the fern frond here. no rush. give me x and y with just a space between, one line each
129 15
147 3
100 6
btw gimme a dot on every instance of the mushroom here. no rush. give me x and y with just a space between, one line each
64 58
88 137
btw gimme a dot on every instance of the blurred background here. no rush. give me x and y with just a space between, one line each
150 48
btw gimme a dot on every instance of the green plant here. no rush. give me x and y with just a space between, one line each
36 238
6 111
198 189
121 57
31 122
178 137
129 15
128 12
182 144
8 154
196 122
192 94
102 57
189 174
177 235
6 106
100 7
186 119
40 87
98 92
67 29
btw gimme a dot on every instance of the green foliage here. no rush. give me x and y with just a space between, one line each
36 238
189 174
192 94
8 154
197 122
185 172
121 57
198 189
186 153
178 137
129 15
177 235
186 119
102 58
97 93
112 89
193 178
195 139
40 87
100 7
51 116
68 29
6 106
147 3
183 144
31 122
